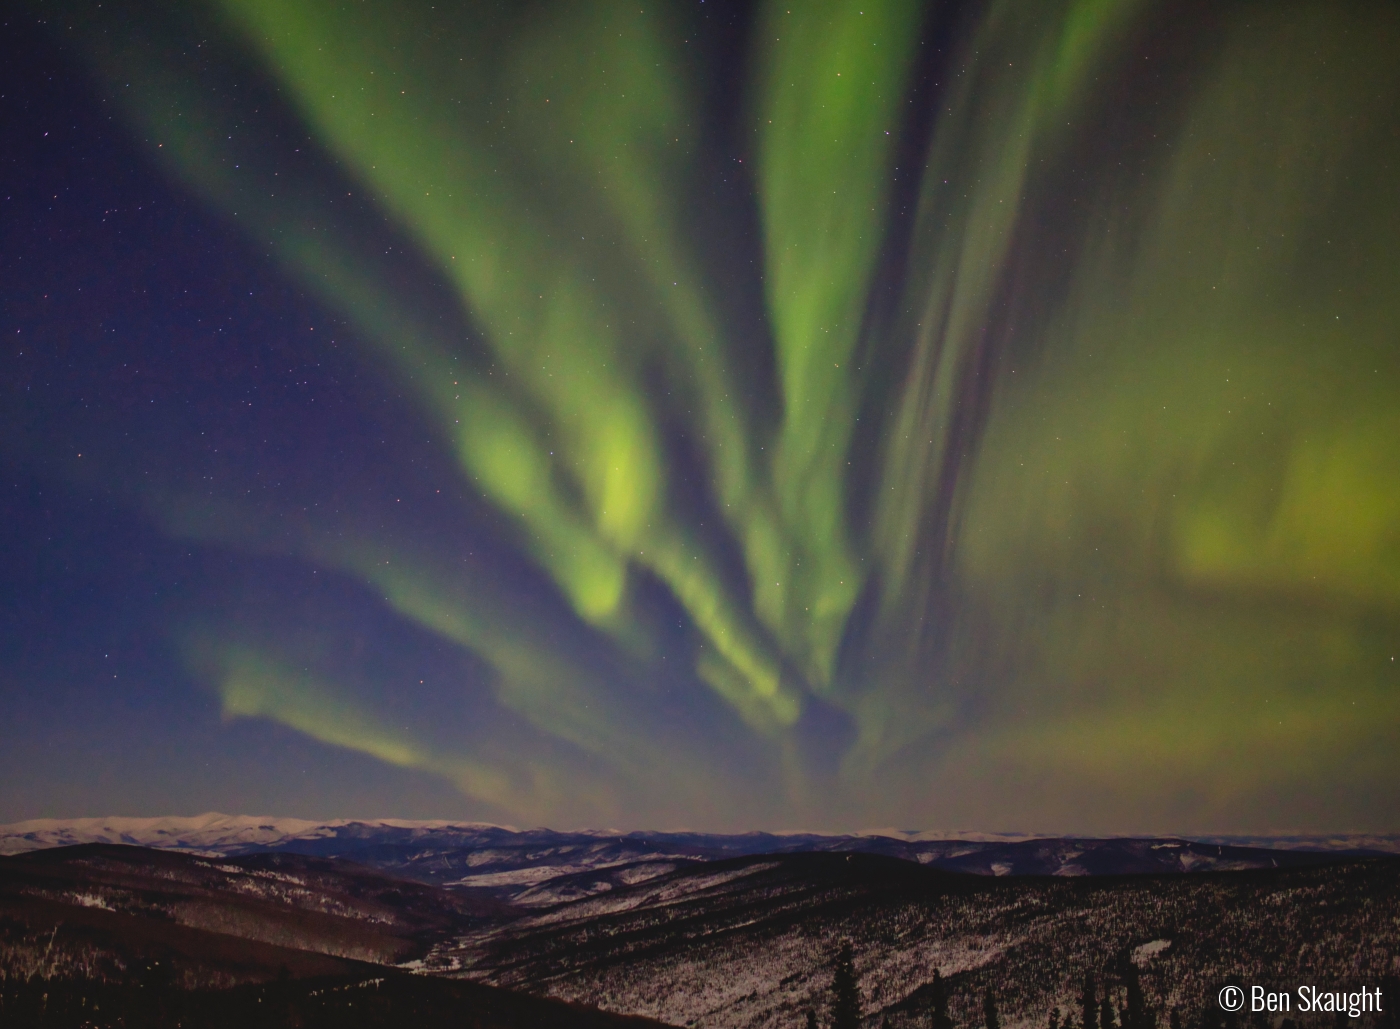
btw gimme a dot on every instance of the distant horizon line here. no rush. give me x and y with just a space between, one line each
294 825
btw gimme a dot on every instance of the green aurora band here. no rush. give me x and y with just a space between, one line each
1071 493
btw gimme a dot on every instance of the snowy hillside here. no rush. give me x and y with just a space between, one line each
749 943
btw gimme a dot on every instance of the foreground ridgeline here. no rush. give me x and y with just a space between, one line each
387 1000
148 999
103 935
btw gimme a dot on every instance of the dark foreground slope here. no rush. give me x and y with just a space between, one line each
113 912
104 936
386 1001
749 942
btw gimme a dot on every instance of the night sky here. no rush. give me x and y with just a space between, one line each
708 414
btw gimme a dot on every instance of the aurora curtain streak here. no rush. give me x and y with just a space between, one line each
921 415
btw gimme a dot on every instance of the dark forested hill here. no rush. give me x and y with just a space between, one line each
99 910
384 1001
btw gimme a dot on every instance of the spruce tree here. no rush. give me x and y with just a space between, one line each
1055 1019
1089 1003
1211 1016
990 1018
845 991
1106 1019
1135 1014
941 1019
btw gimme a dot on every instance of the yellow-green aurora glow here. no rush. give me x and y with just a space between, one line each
929 418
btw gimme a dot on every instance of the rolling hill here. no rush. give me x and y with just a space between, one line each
512 863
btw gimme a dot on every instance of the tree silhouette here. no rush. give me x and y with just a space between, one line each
811 1019
1135 1013
1055 1019
845 991
990 1018
1089 1003
1211 1017
940 1002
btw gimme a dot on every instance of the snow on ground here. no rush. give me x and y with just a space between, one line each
719 986
1386 843
218 834
662 893
530 876
212 833
1149 950
641 873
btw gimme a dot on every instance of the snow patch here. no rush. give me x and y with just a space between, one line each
92 900
1148 951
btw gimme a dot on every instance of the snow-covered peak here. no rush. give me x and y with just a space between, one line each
213 833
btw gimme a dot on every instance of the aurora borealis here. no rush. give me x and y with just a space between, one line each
722 415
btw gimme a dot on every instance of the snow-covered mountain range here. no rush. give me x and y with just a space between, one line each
212 834
223 835
515 864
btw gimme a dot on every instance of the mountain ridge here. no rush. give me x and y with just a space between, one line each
223 835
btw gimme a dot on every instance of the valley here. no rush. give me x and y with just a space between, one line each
685 938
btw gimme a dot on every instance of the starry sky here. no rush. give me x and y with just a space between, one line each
716 414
